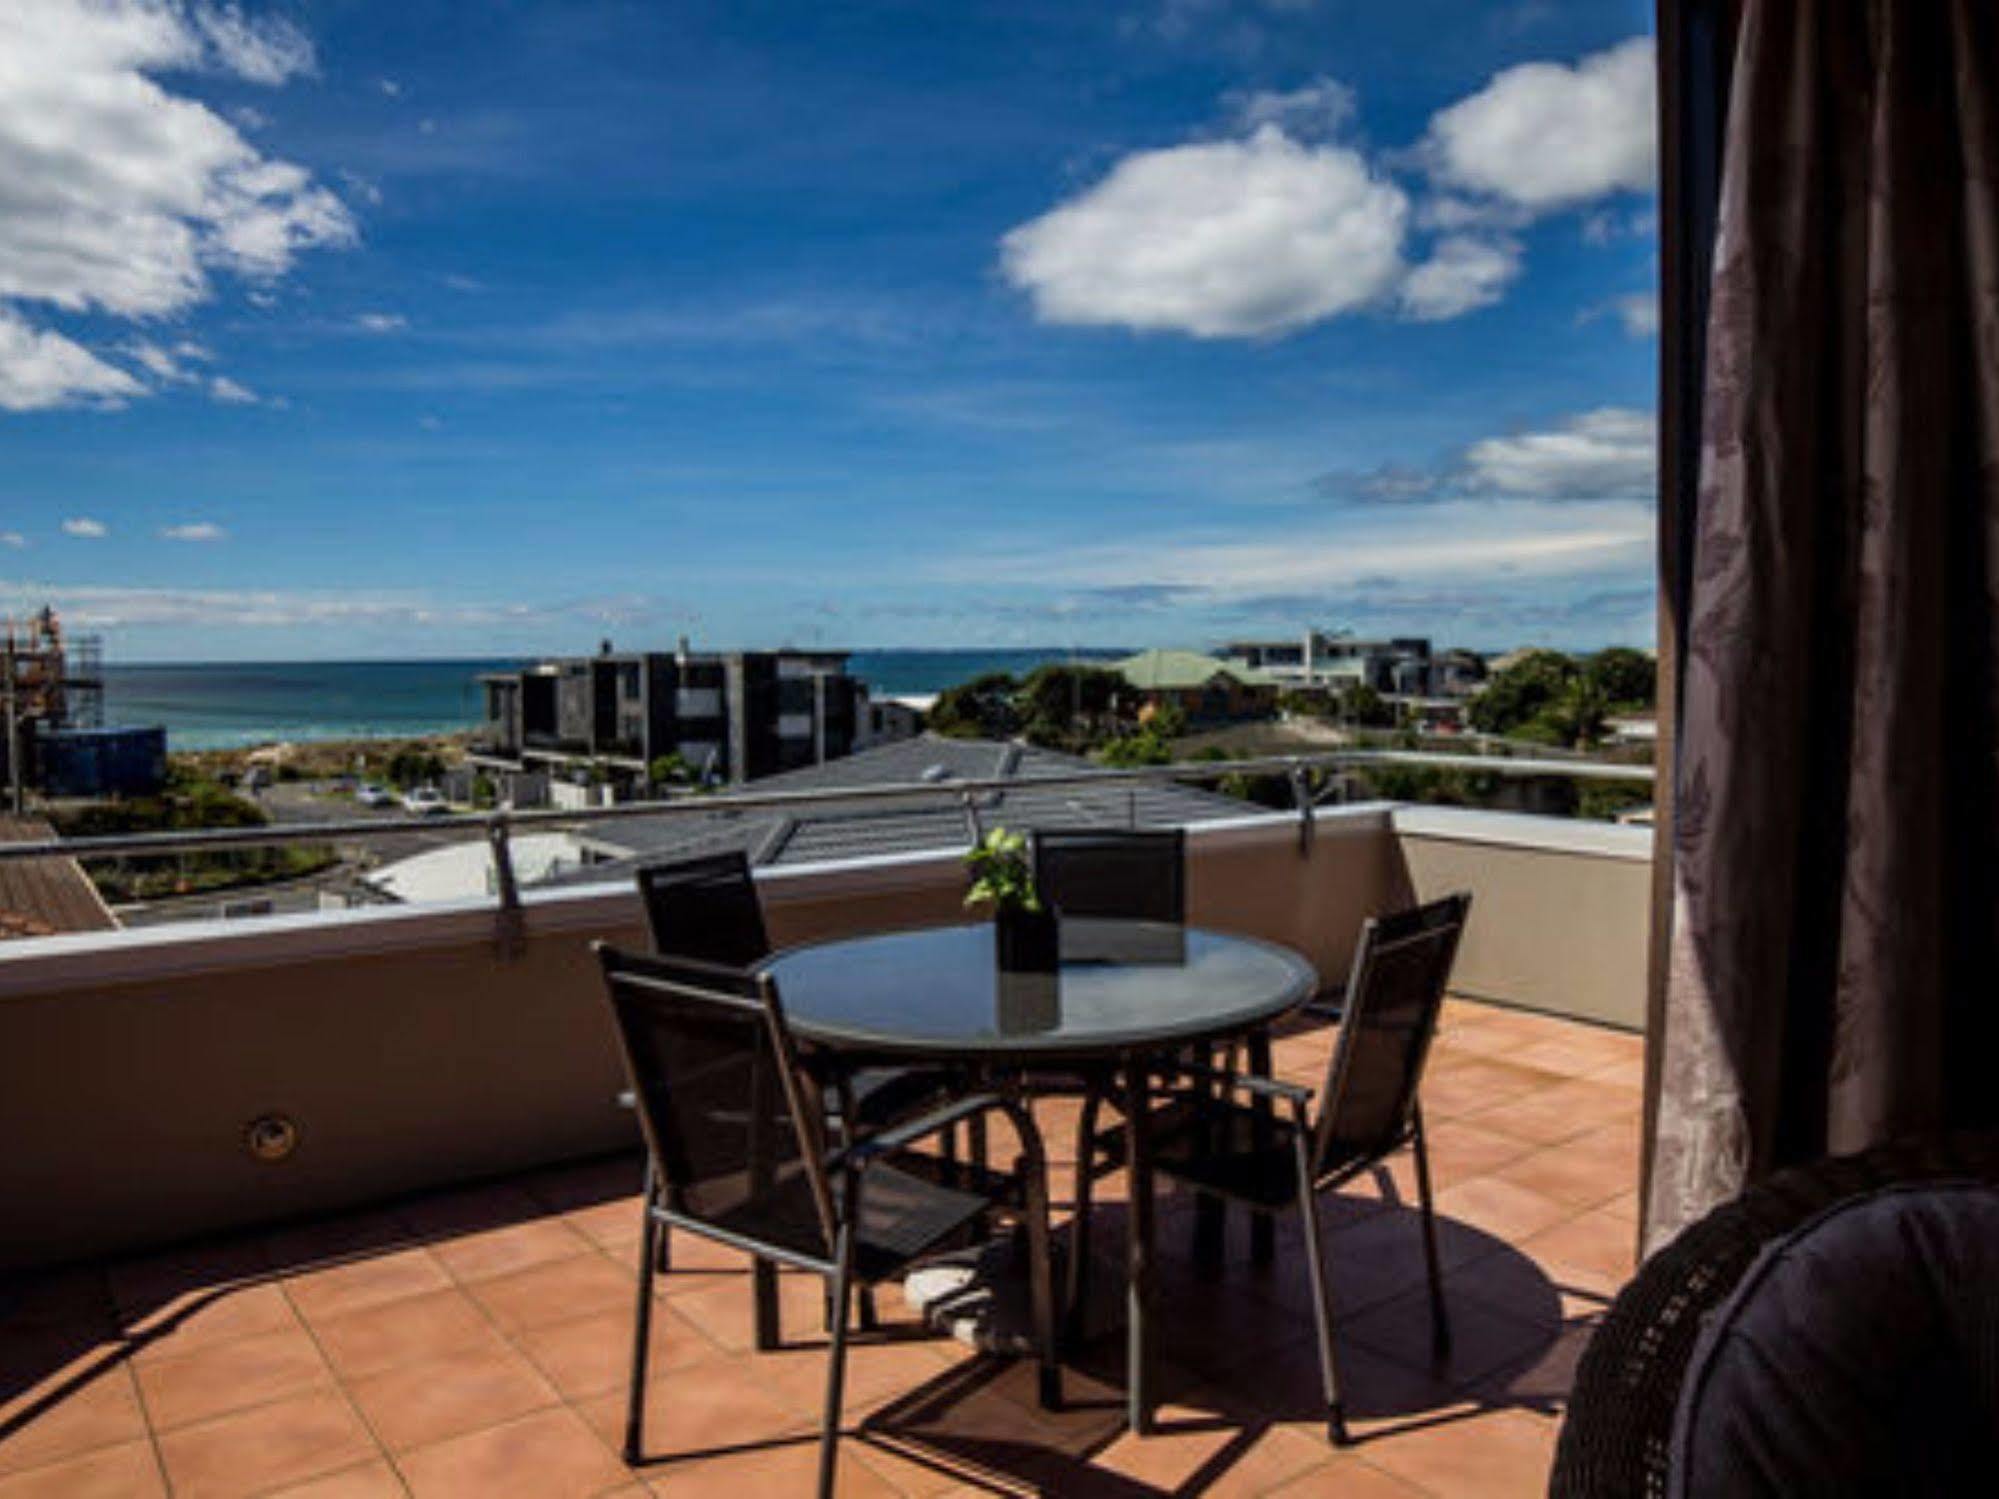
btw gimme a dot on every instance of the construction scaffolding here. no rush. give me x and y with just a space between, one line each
48 681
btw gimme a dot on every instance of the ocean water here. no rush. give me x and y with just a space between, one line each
224 705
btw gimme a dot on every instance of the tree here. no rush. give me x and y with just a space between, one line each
1146 747
669 770
412 765
1365 708
1071 697
1522 692
982 708
1626 678
1577 716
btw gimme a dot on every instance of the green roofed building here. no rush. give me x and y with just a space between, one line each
1206 690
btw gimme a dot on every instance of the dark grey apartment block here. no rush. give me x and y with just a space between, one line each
730 715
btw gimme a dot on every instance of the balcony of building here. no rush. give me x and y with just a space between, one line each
432 1292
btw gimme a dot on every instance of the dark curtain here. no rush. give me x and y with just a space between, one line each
1832 968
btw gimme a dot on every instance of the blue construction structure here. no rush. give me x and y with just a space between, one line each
100 762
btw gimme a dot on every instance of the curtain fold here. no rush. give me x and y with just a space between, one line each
1832 968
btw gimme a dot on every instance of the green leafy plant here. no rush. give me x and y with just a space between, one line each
1002 876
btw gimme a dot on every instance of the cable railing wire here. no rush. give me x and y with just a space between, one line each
503 821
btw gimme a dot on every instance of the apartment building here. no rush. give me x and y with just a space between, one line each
729 715
1397 667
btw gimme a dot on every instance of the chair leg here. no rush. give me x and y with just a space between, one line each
1078 1269
764 1304
836 1365
1033 1169
1440 1324
870 1315
1322 1299
662 1257
635 1399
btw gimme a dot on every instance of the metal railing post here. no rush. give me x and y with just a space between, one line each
1301 794
509 919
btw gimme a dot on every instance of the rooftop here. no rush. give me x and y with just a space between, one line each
899 826
474 1341
1185 670
39 897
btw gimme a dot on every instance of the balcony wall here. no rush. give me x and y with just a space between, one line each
412 1048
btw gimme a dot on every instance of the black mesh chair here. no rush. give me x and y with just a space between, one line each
739 1138
1135 874
1132 875
1231 1149
707 908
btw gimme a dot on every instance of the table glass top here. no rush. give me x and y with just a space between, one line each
1122 984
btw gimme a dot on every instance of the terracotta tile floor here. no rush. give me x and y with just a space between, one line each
474 1342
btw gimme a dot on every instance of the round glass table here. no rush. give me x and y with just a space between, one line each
1126 993
1122 985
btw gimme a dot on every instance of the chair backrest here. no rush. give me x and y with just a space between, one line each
706 908
1399 977
1135 875
735 1129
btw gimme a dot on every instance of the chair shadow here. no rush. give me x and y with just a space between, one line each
1235 1356
978 1421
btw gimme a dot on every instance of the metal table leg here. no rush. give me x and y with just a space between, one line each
1262 1226
1138 1244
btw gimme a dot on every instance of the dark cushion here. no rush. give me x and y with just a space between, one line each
1860 1354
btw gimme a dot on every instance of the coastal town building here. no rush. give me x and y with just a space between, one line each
1402 666
1208 691
729 716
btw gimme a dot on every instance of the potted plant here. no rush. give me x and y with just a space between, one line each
1024 933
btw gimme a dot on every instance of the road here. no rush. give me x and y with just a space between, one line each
298 804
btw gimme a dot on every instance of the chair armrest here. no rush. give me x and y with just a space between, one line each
864 1153
1270 1087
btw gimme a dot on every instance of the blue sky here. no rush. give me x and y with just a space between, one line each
347 329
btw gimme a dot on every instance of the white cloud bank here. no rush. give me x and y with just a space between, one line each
118 196
1544 135
1220 239
1608 453
1464 272
85 527
40 369
1280 227
201 530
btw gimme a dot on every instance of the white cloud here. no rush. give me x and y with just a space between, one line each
1608 453
1220 239
84 526
1312 112
229 393
1464 272
1639 313
119 196
40 370
389 87
263 49
1464 539
381 322
13 539
156 361
94 606
201 530
1544 135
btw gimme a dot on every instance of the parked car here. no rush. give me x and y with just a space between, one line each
425 801
368 794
